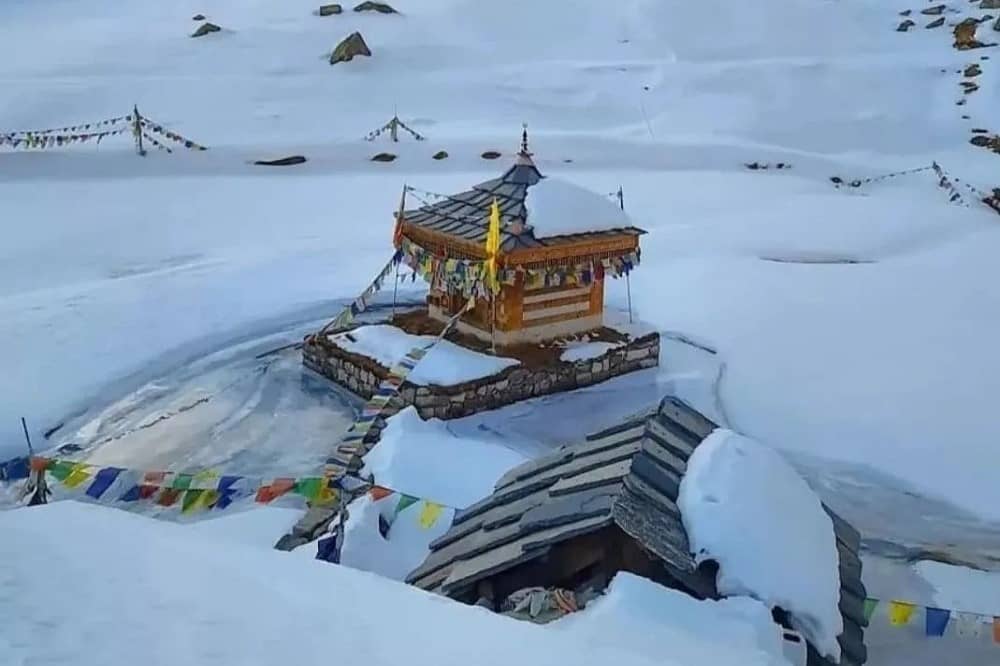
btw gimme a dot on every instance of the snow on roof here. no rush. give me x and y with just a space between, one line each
559 208
790 560
98 604
444 365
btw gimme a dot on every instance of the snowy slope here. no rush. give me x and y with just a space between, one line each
120 269
86 585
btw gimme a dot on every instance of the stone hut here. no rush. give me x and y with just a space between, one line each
575 517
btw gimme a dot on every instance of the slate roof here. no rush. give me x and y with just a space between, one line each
466 215
627 476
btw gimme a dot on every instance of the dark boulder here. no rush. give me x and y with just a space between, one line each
933 11
384 157
936 23
204 29
330 10
198 17
380 7
352 45
490 155
905 25
441 155
284 161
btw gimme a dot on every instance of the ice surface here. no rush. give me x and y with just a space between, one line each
445 364
744 507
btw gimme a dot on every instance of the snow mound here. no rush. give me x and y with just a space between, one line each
558 208
653 619
88 585
746 508
425 459
444 365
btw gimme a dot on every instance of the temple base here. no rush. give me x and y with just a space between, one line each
362 374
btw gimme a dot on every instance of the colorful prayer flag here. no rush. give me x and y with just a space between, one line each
191 500
404 502
870 605
378 492
969 625
430 513
900 613
102 481
936 621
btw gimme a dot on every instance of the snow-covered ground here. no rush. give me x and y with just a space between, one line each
852 329
91 585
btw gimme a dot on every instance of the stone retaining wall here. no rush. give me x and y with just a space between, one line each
362 376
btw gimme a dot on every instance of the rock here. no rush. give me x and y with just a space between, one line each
996 25
936 23
198 17
981 141
384 157
352 45
933 11
979 130
969 87
490 155
960 102
441 155
284 161
905 12
989 4
965 35
965 117
204 29
972 70
330 10
380 7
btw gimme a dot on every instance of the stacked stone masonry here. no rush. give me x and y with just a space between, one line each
362 375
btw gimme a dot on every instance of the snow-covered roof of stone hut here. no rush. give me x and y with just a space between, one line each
628 476
535 211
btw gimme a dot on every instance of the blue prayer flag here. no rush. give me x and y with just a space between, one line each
937 621
103 480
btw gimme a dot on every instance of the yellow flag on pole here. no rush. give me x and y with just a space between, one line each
493 248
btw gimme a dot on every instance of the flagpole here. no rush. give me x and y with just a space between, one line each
27 437
395 288
137 128
628 282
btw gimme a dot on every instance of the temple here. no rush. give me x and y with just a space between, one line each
558 243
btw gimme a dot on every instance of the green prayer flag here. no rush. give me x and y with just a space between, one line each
404 501
870 605
61 469
309 488
190 501
182 481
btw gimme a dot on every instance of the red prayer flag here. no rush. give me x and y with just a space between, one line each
996 629
147 492
378 492
169 497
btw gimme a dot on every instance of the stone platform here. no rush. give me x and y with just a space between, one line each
362 374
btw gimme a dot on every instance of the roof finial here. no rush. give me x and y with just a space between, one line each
524 141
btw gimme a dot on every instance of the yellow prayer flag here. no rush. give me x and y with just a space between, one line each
493 248
77 476
900 613
430 514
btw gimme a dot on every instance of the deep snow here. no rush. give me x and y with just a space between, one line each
90 585
750 511
116 271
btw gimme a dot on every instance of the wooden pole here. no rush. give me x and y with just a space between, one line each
137 129
493 322
628 282
395 288
27 437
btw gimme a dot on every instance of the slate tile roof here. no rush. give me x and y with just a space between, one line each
628 476
466 215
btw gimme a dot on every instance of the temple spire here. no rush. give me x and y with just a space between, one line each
524 141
